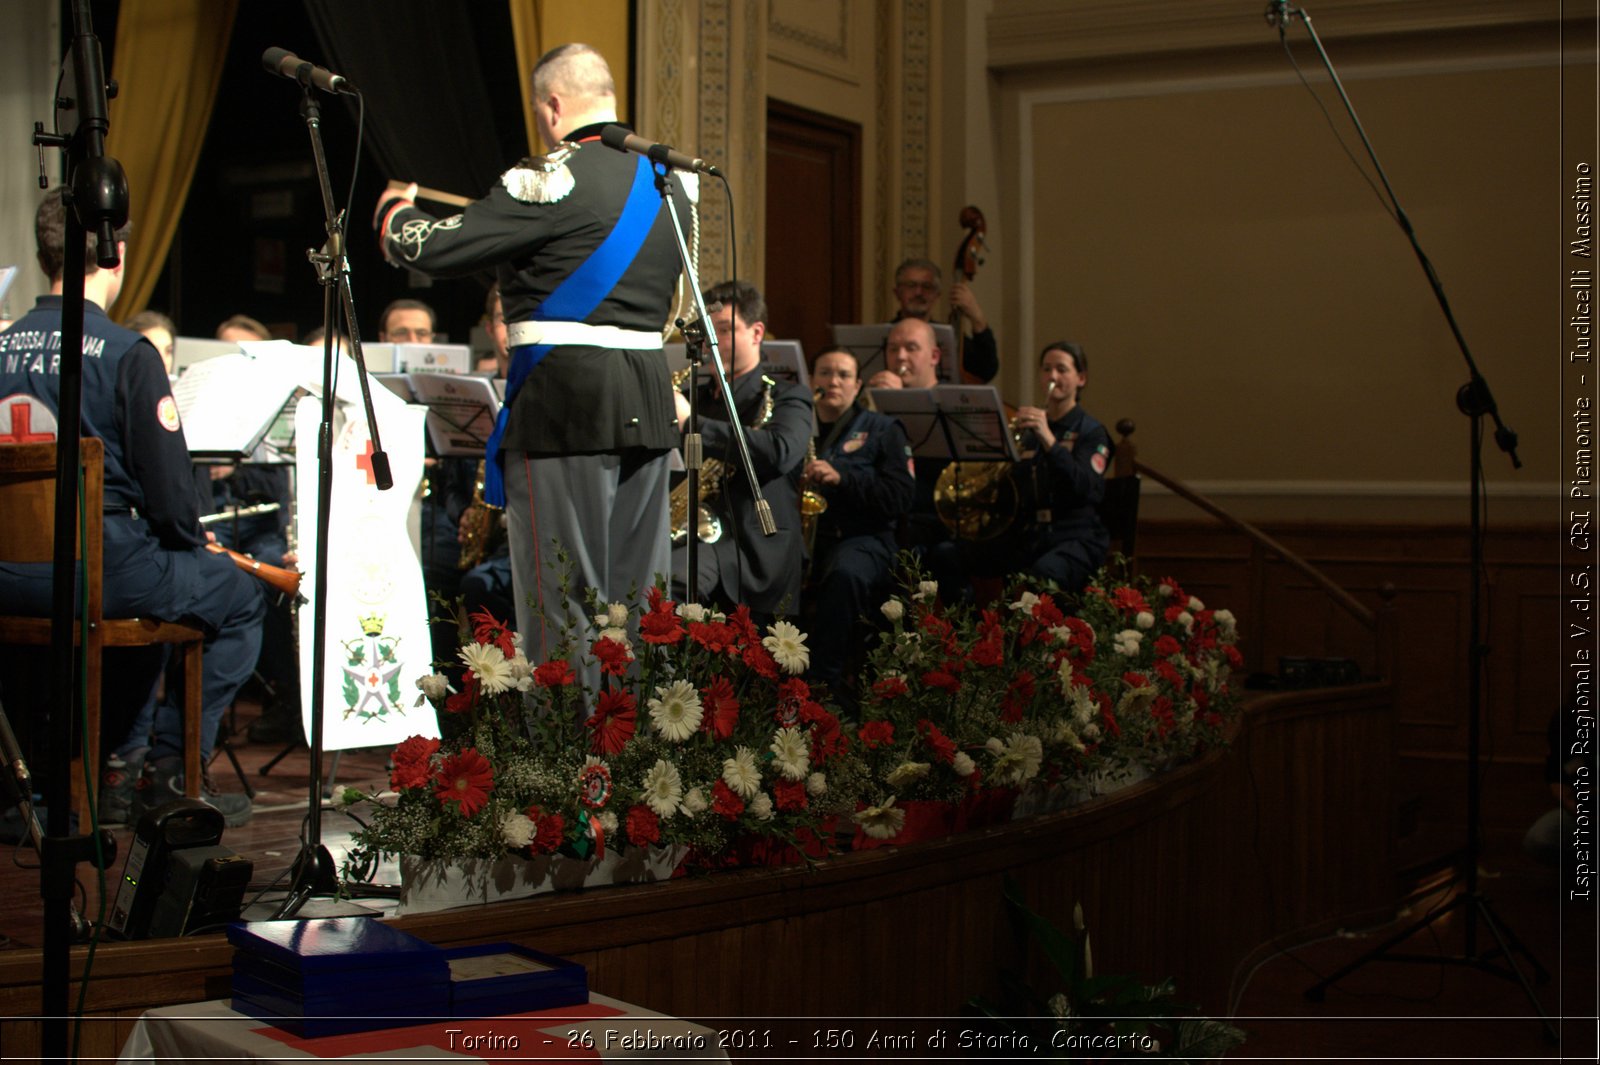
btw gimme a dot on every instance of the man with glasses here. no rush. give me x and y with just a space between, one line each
916 287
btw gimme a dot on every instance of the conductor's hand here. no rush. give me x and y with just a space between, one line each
396 194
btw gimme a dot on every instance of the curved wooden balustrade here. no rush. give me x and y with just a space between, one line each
1189 874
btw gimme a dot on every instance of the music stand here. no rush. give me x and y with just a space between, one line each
868 342
951 423
785 360
462 410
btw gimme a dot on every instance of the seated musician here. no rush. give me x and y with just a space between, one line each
154 561
863 470
742 565
912 352
1061 479
916 287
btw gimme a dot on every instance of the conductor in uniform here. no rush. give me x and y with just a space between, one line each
585 257
154 561
742 565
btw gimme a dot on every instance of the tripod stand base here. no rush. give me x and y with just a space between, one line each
314 875
1478 909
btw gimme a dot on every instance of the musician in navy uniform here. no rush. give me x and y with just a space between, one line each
743 566
862 470
586 260
1061 480
154 561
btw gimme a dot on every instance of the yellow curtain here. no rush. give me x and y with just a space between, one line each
167 63
539 25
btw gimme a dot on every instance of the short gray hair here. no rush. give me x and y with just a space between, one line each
575 70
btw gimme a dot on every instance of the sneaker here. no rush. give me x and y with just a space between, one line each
117 782
162 782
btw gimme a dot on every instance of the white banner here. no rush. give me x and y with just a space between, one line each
377 620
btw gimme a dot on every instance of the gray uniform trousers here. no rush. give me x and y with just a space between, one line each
609 513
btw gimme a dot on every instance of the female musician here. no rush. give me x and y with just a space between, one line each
1067 470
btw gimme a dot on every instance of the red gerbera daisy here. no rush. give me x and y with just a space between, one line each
465 779
719 708
486 628
614 722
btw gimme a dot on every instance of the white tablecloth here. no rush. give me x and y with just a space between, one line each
603 1030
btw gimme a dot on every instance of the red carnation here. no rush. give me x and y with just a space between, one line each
660 626
1161 711
556 673
942 746
789 794
614 656
760 660
714 636
1046 613
725 802
411 762
1128 600
1019 693
614 721
874 734
1235 659
465 779
463 700
937 678
889 688
548 831
1167 645
643 825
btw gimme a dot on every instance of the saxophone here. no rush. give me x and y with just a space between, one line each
812 503
480 526
708 527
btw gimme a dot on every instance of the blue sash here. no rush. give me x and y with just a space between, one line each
572 301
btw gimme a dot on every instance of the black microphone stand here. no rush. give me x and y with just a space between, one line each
1475 400
313 870
97 202
691 445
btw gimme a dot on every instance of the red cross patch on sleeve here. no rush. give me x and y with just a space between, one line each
167 414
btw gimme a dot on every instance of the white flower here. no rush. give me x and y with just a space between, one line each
761 807
1165 590
1091 731
616 632
894 610
434 686
1195 604
817 785
788 646
694 802
615 617
1226 622
489 664
963 764
390 799
663 788
608 823
1127 642
676 711
344 798
907 772
926 590
1026 604
740 773
1144 619
521 672
791 753
1084 708
517 830
1065 734
691 612
883 821
1016 760
1186 619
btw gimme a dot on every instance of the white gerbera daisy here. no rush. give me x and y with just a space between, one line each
788 646
663 788
883 821
1016 760
791 753
489 664
517 830
907 772
676 711
761 807
741 774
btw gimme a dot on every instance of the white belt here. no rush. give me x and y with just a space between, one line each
580 334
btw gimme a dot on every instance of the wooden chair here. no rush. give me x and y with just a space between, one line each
27 498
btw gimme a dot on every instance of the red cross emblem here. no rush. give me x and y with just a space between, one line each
364 461
21 419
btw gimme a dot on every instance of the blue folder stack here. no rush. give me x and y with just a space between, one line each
333 975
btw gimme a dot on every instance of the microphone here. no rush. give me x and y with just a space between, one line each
618 137
1278 14
286 64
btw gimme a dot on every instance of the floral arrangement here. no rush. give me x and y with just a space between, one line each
703 734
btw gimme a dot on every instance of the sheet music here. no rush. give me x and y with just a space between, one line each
228 403
461 411
973 414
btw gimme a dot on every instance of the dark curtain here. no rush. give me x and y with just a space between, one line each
440 82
